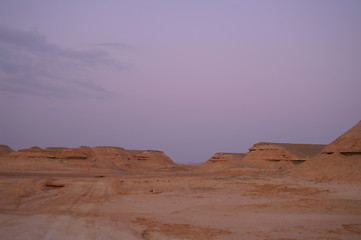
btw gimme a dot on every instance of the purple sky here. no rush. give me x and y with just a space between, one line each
190 78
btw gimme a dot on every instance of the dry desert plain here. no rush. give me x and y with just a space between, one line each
112 193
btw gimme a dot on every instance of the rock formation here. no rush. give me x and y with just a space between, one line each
283 151
347 144
5 149
340 161
52 153
221 161
152 159
113 158
106 159
49 159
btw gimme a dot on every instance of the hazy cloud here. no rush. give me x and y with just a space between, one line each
115 45
30 64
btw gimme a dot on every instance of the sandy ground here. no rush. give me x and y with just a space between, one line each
188 206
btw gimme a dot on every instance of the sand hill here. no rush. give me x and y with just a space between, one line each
340 161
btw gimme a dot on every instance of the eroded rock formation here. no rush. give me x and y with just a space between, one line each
221 161
283 151
110 159
5 149
340 161
348 144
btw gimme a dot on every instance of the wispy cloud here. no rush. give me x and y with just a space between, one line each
30 64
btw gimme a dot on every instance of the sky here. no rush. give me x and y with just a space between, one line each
190 78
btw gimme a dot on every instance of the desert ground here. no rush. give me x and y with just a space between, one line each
258 204
105 193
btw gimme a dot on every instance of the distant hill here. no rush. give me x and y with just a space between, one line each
85 159
221 161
